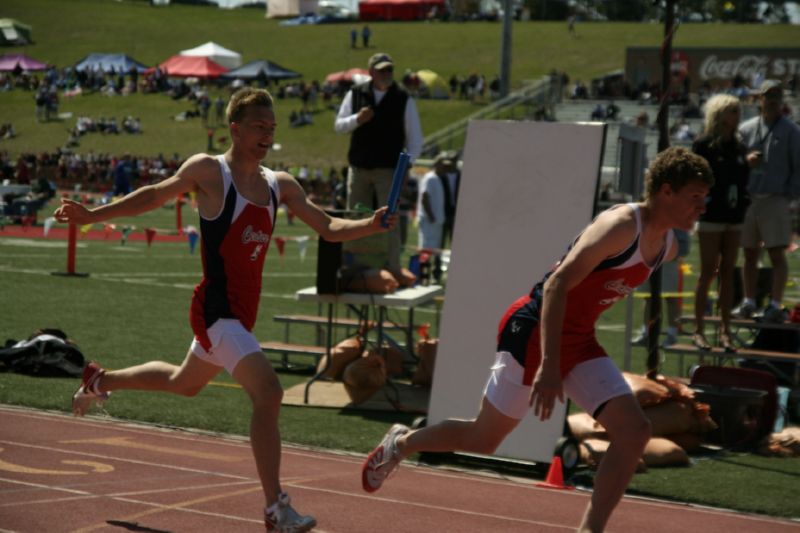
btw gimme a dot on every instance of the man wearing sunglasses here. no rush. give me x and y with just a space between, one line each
383 120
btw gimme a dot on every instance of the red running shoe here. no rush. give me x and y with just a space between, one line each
85 396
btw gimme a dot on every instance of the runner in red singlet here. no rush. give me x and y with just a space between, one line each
237 199
546 343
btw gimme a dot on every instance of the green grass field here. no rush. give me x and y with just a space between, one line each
134 305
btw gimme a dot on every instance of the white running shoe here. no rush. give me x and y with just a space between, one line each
383 459
286 520
85 396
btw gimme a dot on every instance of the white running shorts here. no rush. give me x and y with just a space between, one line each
230 343
589 384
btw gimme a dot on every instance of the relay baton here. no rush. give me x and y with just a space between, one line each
397 184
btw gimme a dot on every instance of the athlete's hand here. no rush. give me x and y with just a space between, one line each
73 213
377 220
547 387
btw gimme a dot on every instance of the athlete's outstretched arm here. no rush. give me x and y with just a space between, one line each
332 229
607 236
142 199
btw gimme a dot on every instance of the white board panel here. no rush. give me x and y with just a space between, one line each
527 189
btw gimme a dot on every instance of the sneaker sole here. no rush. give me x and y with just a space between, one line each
308 527
399 429
365 482
82 402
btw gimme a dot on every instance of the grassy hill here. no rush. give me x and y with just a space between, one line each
64 32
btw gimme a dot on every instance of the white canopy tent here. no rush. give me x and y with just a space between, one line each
290 8
216 53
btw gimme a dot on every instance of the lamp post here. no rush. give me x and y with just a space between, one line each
654 319
505 54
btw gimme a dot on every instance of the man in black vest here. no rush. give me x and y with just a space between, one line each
383 120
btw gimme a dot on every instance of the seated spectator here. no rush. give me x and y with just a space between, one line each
7 131
598 113
580 91
643 119
302 118
691 110
681 131
131 125
612 111
42 189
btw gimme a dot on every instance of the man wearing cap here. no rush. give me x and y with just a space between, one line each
773 154
383 120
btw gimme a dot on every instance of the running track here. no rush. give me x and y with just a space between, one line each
61 474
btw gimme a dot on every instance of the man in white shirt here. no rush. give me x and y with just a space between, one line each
430 205
383 121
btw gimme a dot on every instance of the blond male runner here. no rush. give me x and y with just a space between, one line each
237 199
547 344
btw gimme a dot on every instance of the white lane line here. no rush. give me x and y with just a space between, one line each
123 460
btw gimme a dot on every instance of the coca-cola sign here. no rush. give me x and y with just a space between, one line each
715 66
746 66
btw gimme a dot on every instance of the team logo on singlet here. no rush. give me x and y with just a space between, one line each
256 252
248 235
618 286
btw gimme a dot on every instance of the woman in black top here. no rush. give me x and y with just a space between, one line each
719 228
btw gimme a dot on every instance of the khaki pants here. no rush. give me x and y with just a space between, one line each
768 220
363 186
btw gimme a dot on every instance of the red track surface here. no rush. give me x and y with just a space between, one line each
58 473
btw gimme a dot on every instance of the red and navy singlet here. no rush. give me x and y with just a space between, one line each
233 247
613 279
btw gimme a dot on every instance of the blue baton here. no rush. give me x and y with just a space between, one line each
397 184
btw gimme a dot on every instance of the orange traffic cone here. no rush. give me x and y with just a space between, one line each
555 476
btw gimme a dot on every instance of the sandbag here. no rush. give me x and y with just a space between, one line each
342 355
783 444
675 388
690 442
646 391
702 421
364 377
592 452
669 418
426 351
664 452
679 416
583 426
393 358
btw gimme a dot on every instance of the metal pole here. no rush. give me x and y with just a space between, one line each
505 58
654 318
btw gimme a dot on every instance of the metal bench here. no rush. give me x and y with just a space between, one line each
719 356
351 325
286 349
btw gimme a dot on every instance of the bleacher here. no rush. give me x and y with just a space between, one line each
581 111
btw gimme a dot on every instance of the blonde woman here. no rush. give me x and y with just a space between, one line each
719 228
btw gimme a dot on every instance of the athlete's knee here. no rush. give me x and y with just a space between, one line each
483 442
185 387
269 395
634 434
